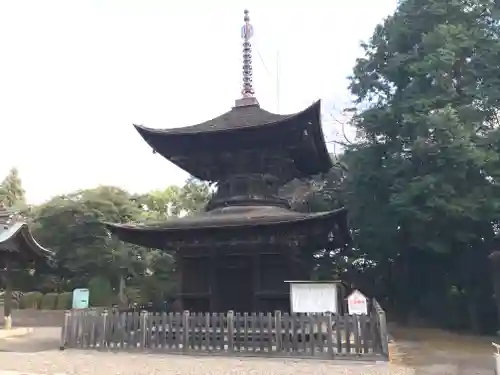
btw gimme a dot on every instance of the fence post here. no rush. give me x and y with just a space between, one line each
104 334
384 337
185 331
64 330
143 324
497 358
277 330
383 334
230 331
329 337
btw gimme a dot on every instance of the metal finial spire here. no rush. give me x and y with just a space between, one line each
247 92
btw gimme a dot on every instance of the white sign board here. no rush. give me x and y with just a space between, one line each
80 298
357 303
313 297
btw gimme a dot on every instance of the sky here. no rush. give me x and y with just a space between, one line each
76 74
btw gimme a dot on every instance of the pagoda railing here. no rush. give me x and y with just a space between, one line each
247 200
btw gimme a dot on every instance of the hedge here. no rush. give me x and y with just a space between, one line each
31 300
49 301
64 301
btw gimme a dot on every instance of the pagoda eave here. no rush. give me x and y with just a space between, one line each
176 232
244 128
238 118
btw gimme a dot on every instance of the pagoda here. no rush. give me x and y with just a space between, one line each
18 249
238 254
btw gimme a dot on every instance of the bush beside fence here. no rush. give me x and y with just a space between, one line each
48 301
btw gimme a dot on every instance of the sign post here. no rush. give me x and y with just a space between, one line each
357 304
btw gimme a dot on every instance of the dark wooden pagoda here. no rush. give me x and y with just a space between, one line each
238 254
18 249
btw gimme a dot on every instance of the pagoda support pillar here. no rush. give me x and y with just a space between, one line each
180 279
212 287
293 259
256 281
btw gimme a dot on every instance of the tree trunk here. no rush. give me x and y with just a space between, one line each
495 260
121 293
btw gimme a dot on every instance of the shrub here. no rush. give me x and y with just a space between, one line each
133 294
64 301
101 292
49 301
31 300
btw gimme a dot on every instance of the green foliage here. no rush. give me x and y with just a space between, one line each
49 301
31 300
100 292
133 295
421 187
175 200
64 301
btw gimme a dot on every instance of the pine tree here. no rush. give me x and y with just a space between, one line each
11 190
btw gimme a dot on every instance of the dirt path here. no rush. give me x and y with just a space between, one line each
38 354
42 339
437 352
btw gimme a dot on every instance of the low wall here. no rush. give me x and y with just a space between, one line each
35 318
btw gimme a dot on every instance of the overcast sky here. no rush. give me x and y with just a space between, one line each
75 75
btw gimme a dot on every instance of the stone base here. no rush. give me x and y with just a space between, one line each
7 322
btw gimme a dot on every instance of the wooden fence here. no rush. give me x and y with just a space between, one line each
323 336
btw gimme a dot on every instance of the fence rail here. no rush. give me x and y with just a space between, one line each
324 336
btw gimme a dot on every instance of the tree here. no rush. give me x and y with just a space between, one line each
11 190
421 187
175 201
73 226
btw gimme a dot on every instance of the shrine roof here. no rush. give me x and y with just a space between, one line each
231 217
13 229
237 118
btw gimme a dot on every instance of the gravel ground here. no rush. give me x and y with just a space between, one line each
96 363
37 353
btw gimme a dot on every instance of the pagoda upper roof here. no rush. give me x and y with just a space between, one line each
237 118
220 219
243 128
16 238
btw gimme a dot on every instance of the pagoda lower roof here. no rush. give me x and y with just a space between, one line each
221 219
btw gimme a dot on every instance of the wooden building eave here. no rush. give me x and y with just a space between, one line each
301 134
20 234
196 231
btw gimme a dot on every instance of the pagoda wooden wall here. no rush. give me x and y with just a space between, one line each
251 282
